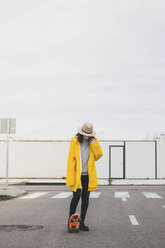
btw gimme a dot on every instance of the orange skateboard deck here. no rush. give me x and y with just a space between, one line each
74 223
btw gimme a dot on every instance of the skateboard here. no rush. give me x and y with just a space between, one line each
74 223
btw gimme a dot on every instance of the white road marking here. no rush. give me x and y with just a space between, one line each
124 199
33 195
94 194
133 220
123 195
62 195
151 195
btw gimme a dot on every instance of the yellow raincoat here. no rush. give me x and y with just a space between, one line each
73 175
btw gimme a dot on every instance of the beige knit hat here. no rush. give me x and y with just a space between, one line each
87 129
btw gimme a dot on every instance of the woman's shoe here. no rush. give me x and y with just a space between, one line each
83 227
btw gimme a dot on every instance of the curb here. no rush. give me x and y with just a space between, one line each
11 193
110 182
142 182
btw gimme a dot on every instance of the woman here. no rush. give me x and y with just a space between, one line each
81 171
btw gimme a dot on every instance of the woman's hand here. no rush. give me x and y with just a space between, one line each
91 140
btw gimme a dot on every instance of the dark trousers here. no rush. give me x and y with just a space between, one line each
84 198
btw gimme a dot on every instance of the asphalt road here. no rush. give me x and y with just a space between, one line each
113 222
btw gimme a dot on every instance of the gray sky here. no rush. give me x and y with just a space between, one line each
63 63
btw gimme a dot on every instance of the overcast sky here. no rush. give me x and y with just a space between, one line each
63 63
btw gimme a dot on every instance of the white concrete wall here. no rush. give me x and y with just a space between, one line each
2 158
161 156
48 159
140 159
45 159
35 159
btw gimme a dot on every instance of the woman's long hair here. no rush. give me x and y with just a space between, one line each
79 137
